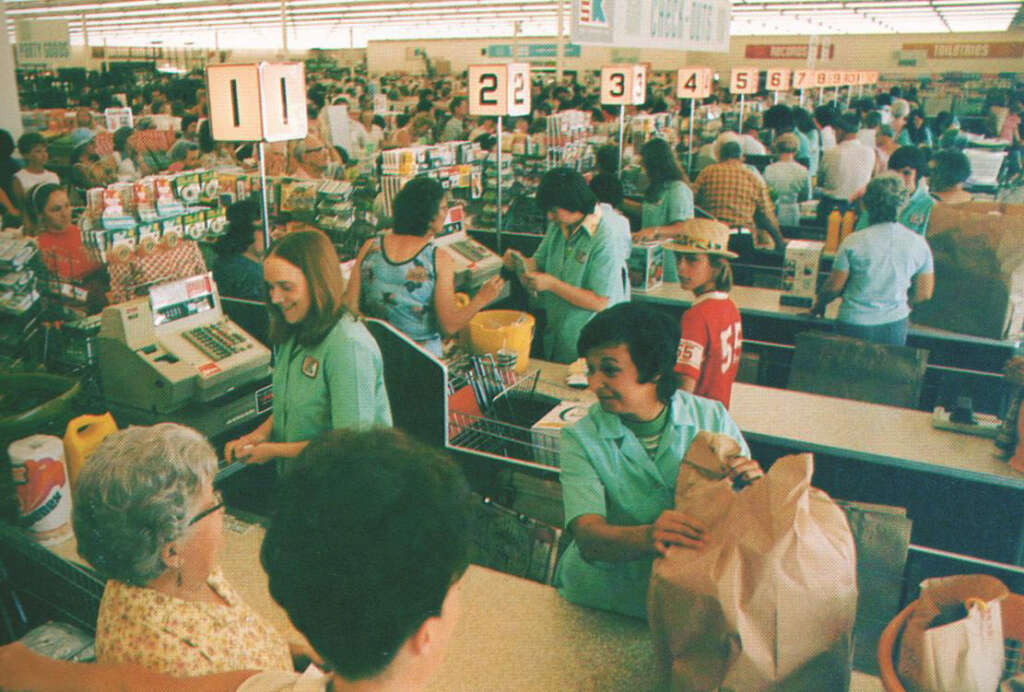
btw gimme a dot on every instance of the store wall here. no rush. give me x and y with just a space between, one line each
869 52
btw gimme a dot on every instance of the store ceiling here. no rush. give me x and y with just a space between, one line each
344 23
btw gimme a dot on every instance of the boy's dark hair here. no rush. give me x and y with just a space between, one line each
651 336
566 189
416 205
241 228
607 188
909 157
187 120
951 167
455 103
370 531
29 140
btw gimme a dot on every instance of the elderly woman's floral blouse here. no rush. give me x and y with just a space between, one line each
185 638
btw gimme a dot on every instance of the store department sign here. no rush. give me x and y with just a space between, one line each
969 51
788 51
674 24
43 42
529 51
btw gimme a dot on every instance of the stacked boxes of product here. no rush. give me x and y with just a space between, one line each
455 164
18 290
130 214
568 140
646 126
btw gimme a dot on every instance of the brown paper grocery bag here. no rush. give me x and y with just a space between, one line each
770 602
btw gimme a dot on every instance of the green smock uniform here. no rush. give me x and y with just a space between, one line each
914 214
589 258
606 471
675 203
338 383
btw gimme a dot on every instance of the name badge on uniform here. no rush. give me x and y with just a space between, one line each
581 256
310 366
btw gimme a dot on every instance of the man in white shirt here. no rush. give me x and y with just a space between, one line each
845 168
455 128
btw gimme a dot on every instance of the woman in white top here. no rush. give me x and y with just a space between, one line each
32 146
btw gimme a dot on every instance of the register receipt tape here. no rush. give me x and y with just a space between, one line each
41 481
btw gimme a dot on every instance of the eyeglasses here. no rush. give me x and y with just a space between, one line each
218 504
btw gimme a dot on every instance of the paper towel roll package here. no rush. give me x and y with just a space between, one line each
41 481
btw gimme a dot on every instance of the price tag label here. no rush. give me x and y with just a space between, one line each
499 89
744 80
777 80
803 79
693 82
249 103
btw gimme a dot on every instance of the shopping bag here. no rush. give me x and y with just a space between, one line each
953 640
769 602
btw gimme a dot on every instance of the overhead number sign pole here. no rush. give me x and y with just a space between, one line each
777 80
850 80
623 85
258 103
803 80
499 90
743 81
693 83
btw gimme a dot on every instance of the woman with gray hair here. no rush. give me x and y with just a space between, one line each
879 271
147 517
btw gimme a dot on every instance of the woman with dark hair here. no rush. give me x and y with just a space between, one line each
48 215
128 165
328 371
620 462
214 154
668 200
805 126
32 147
879 271
950 170
918 132
577 268
8 167
238 271
403 278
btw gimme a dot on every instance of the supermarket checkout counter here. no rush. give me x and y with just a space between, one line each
961 496
512 633
957 363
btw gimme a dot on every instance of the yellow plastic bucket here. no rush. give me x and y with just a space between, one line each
491 331
82 436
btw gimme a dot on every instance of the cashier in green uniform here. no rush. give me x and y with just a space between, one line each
328 371
620 462
668 200
577 269
911 164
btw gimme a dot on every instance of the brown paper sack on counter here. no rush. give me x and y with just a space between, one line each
770 602
978 249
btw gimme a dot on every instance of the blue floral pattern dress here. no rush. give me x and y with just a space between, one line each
402 293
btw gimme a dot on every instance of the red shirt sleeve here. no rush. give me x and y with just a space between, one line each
693 345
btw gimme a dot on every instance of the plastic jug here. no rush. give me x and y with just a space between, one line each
82 436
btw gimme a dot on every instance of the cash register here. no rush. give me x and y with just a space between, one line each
474 263
174 355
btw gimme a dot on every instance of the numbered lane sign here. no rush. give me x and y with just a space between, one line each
777 80
499 89
249 103
851 78
872 77
744 80
623 85
803 79
835 78
693 82
820 78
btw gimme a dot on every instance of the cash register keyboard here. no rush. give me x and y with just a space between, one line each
215 342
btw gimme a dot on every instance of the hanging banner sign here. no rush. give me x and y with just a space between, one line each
969 51
43 42
673 24
788 51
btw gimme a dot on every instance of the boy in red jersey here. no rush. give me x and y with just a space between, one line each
712 334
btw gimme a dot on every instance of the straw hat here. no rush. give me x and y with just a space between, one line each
702 236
